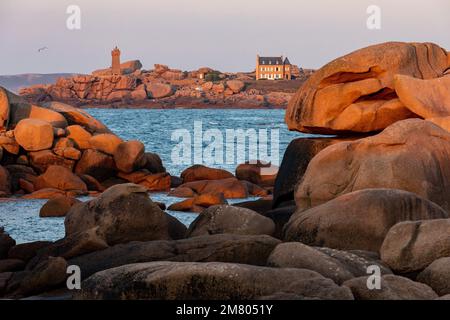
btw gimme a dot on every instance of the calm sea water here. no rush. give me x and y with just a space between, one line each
154 128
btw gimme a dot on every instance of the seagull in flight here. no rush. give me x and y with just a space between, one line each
42 49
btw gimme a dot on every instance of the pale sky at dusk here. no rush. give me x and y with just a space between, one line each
188 34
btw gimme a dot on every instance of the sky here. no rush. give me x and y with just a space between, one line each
222 34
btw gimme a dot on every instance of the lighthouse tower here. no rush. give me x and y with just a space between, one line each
115 64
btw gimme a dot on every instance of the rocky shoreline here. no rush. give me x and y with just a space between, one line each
165 88
373 201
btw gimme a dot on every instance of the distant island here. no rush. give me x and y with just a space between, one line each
15 82
127 85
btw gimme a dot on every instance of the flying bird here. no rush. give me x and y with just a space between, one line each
42 49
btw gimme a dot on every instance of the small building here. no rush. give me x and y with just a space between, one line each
273 68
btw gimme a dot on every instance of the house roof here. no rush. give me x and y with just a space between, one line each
273 61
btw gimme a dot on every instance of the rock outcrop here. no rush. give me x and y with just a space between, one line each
34 134
339 266
412 246
200 172
391 288
67 151
357 92
426 98
229 219
437 276
57 207
163 87
341 223
218 281
253 250
390 159
123 213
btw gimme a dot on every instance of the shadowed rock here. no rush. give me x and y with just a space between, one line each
359 220
230 219
334 264
412 246
123 213
437 276
252 250
204 281
392 288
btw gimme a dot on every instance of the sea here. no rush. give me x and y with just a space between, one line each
181 137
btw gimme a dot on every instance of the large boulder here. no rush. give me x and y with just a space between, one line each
412 246
60 178
27 251
153 163
359 220
199 202
41 160
199 172
437 276
411 155
205 281
159 90
391 288
47 193
229 219
123 213
336 265
153 182
280 216
231 188
65 147
71 246
77 116
48 274
131 66
426 98
9 144
34 134
19 109
80 136
257 172
129 156
57 207
105 142
96 164
296 158
236 85
11 265
252 250
356 93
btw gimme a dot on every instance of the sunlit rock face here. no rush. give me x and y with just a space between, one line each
356 92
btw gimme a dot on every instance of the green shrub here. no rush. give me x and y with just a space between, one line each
212 76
